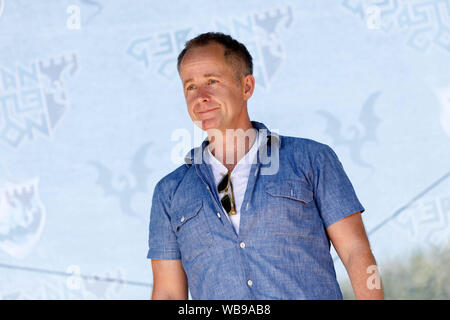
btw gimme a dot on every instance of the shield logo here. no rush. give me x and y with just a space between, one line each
22 218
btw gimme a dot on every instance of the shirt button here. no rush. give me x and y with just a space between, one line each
182 219
218 215
242 245
250 283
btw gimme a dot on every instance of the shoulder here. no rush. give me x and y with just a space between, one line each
168 185
304 148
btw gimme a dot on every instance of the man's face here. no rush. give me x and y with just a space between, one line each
213 94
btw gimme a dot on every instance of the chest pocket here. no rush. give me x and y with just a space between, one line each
290 209
191 228
291 189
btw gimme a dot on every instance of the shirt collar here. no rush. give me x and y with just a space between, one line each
195 155
245 161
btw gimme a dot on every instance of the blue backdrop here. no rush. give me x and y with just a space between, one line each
91 103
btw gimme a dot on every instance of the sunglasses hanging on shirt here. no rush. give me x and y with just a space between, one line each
225 186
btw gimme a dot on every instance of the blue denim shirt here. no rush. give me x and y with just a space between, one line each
282 250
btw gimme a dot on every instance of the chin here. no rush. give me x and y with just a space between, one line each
209 124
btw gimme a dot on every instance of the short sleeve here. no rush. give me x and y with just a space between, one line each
334 193
162 242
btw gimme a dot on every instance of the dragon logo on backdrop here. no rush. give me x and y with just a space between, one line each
33 99
355 137
126 186
22 218
98 6
261 32
424 22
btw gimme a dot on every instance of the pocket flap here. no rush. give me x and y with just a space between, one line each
186 212
291 189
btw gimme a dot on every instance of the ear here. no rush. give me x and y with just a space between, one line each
248 85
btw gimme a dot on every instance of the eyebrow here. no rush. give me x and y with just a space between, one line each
206 75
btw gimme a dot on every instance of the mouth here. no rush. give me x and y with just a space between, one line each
206 111
206 114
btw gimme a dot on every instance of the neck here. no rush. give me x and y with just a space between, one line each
231 145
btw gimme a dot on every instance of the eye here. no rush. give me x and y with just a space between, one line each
191 87
211 81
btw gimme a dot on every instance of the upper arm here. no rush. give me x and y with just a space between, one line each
162 241
169 280
347 235
333 192
169 277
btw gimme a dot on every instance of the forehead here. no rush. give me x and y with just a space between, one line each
209 58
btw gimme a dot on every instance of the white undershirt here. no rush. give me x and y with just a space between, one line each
239 177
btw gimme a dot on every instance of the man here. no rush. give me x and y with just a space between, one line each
229 223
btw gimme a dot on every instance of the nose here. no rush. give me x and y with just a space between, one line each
202 94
